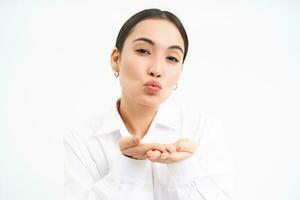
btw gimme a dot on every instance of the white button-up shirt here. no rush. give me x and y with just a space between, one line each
96 169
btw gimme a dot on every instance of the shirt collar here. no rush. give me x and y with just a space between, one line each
168 115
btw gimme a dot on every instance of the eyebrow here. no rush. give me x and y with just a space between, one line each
153 43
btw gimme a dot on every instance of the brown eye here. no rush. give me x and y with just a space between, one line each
143 51
173 59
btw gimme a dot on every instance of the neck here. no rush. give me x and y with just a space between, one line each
137 118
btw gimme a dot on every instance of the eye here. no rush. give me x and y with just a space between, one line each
173 59
143 51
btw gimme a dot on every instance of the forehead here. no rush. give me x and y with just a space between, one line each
161 31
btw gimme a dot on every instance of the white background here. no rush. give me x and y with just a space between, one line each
243 67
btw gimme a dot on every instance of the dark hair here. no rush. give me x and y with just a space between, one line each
148 14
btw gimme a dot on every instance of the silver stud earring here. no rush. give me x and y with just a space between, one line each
176 86
116 73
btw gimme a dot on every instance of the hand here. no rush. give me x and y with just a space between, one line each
133 148
178 151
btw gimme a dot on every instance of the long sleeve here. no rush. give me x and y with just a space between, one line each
84 182
207 174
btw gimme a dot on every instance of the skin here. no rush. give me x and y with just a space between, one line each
149 54
167 153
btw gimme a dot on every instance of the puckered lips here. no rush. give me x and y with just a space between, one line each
152 87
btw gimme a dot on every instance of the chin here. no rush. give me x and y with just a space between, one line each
150 101
153 100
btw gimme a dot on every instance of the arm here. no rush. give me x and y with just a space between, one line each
201 171
83 181
206 175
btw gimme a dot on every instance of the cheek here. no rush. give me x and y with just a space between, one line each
173 78
132 68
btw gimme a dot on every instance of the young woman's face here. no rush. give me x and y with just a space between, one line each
151 61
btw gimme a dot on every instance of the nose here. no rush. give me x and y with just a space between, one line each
155 74
155 70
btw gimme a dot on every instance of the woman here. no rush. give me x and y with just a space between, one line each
145 146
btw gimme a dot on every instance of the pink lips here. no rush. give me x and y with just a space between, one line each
152 87
153 83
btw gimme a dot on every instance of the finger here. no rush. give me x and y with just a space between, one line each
178 148
188 148
164 158
155 146
170 148
127 142
185 145
165 155
135 152
177 156
155 154
149 154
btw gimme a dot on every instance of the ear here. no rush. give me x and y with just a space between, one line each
114 59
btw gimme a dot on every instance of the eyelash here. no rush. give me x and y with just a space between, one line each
171 58
142 51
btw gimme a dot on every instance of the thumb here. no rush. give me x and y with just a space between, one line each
185 145
127 142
